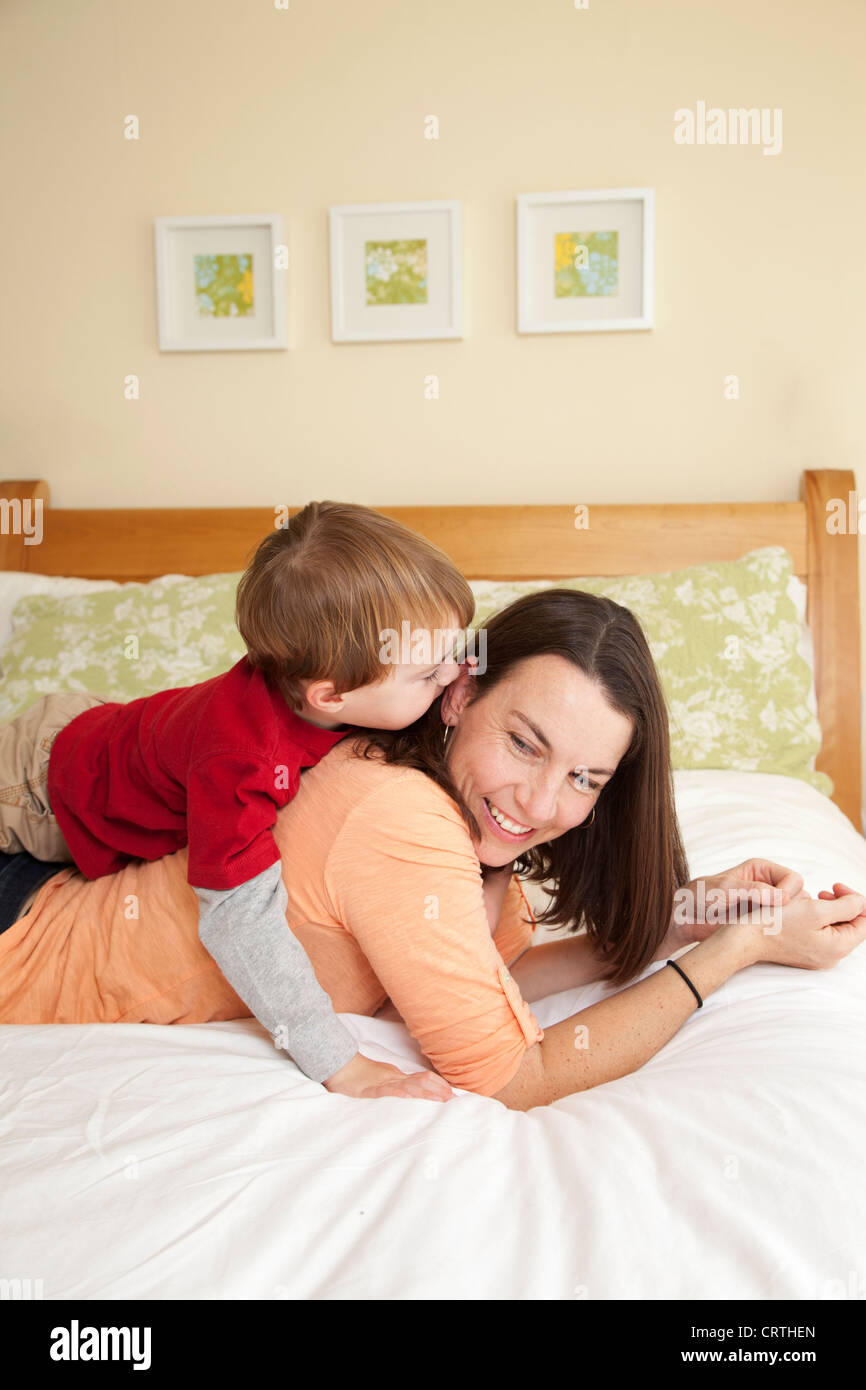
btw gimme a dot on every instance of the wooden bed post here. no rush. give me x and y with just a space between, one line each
22 509
833 615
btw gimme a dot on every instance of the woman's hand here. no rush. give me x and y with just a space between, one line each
703 904
810 933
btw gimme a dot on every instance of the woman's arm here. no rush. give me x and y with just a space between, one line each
699 909
405 882
494 884
556 965
618 1035
543 969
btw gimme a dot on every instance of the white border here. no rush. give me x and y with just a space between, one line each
338 216
163 228
526 321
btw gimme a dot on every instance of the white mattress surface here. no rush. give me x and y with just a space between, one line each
197 1162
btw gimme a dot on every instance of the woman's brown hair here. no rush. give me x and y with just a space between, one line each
320 593
617 875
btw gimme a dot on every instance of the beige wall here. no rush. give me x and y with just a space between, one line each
760 268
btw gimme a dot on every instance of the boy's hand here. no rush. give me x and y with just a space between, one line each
368 1080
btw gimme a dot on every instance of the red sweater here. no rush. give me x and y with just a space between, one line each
208 765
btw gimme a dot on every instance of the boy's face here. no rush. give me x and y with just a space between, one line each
401 698
418 664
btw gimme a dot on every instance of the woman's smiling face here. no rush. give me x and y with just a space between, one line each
532 755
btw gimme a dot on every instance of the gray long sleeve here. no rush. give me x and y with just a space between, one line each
246 932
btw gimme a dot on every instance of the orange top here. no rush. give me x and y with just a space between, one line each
385 894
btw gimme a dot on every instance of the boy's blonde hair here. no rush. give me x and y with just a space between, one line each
320 592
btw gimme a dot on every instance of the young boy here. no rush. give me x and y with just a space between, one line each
209 765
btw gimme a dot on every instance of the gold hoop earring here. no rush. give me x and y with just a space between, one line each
584 824
448 728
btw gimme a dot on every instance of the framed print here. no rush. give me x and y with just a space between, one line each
585 261
218 288
396 272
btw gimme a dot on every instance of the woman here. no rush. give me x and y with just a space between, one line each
398 854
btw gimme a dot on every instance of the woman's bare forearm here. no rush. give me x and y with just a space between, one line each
618 1035
556 965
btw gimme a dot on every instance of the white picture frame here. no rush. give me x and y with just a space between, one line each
187 249
607 285
370 272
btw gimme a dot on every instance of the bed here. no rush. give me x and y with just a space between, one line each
197 1162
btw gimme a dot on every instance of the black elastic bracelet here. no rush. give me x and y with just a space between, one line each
688 982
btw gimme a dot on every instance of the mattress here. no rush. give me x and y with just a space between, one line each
141 1162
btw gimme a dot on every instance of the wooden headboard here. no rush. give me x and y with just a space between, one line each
513 543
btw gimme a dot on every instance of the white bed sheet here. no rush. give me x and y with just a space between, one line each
197 1162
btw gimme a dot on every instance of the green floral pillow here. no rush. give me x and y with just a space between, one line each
725 640
724 637
123 643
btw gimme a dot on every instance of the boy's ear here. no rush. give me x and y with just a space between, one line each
322 696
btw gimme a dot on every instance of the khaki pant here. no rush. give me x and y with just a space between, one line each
26 819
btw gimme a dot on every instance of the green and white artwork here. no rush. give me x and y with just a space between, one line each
396 271
223 285
586 264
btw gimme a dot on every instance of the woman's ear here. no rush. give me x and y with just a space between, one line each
455 697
